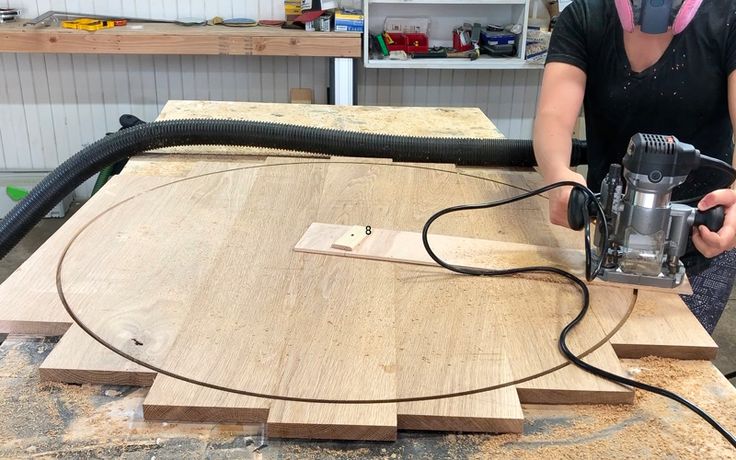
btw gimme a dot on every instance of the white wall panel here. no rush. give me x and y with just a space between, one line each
52 105
508 97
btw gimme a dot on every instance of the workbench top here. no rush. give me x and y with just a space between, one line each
51 419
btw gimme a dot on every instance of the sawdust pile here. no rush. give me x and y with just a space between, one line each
314 452
653 427
35 411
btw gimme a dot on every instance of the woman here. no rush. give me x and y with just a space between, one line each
651 67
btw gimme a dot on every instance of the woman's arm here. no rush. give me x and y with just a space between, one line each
710 244
560 100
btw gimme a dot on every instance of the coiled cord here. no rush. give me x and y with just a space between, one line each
590 274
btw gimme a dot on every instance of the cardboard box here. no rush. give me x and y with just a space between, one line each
349 21
321 24
301 95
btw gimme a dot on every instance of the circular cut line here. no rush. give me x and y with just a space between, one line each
101 341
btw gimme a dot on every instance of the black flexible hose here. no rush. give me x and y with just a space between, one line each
124 144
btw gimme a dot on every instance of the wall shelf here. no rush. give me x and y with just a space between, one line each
444 16
456 63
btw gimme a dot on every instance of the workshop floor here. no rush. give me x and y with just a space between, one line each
724 335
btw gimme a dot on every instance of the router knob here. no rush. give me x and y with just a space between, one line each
711 218
577 209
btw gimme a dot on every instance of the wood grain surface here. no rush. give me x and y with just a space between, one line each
406 247
174 39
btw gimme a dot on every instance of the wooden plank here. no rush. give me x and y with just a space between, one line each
571 385
173 39
350 192
351 238
29 303
78 358
170 399
661 325
352 357
497 411
447 352
317 349
365 422
147 327
308 45
407 247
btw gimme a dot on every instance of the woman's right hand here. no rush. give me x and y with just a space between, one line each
559 197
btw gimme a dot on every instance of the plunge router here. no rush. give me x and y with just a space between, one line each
645 233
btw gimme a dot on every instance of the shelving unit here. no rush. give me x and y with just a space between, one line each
444 17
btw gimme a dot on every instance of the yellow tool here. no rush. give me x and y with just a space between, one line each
88 24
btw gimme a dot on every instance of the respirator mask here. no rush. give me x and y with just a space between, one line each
657 16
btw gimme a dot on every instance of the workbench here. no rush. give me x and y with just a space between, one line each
53 419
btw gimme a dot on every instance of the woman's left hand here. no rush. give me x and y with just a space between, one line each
710 244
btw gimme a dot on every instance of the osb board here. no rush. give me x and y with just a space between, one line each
409 121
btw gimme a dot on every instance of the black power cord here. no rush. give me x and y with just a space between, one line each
590 274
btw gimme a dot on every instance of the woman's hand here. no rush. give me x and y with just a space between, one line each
710 244
559 197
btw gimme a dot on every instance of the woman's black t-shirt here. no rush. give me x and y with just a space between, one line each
683 94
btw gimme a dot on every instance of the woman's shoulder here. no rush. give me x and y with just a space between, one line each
717 9
591 6
715 21
590 17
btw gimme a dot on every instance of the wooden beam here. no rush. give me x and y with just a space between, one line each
174 39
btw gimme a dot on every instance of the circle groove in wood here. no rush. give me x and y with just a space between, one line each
196 279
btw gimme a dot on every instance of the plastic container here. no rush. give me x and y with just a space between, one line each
417 43
399 43
457 45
